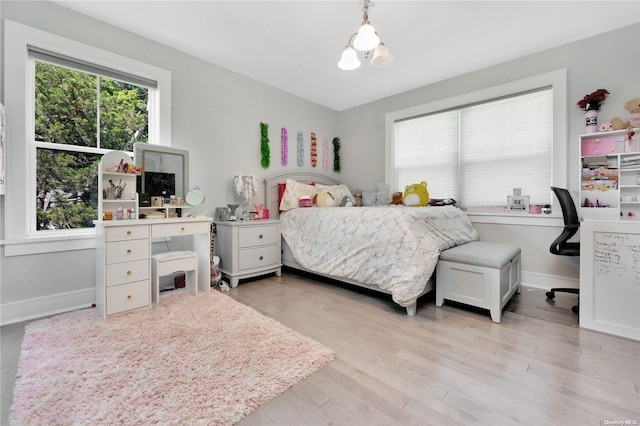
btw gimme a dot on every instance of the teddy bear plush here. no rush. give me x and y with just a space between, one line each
357 194
632 120
416 195
396 198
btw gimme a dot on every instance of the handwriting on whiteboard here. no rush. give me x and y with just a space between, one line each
617 255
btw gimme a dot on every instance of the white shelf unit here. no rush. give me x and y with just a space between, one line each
166 210
128 199
610 175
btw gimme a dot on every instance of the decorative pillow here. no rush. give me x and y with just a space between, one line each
292 193
338 192
382 194
369 198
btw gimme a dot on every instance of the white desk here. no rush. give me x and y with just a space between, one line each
123 259
610 277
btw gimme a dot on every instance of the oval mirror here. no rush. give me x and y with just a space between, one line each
195 197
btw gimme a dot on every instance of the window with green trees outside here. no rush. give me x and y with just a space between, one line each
78 117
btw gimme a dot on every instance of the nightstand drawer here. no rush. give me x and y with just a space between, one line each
126 297
127 251
128 272
123 233
257 236
177 229
258 258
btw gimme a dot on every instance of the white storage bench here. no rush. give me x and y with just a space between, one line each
480 274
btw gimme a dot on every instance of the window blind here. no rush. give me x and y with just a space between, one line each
80 65
478 153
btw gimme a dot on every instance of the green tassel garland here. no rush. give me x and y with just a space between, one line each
264 146
336 154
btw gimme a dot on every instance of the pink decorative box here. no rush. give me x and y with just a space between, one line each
599 146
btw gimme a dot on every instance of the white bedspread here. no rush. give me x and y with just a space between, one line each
393 247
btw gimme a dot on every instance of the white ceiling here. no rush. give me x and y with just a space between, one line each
295 45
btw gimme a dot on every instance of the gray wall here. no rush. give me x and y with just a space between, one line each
216 115
610 61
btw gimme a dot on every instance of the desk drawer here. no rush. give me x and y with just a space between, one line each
257 236
179 228
128 232
127 272
126 297
258 258
127 251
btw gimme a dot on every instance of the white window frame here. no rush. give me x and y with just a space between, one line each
555 79
20 235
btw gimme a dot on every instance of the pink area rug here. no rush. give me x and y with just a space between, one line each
192 359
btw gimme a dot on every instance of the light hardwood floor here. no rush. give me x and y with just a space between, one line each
449 365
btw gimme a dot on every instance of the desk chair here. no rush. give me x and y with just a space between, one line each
560 246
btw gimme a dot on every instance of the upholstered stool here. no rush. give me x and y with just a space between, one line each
480 274
173 261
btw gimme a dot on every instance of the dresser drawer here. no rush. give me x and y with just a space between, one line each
123 233
177 229
127 272
257 236
127 251
260 257
126 297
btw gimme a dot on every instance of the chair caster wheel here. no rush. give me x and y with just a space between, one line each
550 295
575 309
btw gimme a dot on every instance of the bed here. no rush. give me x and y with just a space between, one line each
390 249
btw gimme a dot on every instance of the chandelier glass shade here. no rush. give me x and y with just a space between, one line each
365 40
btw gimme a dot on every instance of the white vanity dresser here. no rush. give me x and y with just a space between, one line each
123 259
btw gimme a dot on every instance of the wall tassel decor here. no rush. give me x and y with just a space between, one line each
336 154
300 149
284 147
314 149
325 153
264 146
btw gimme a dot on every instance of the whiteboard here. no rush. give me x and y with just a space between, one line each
616 256
616 263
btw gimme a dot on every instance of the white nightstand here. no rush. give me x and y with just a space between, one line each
248 248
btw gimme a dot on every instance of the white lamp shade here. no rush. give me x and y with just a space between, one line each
349 60
381 57
367 39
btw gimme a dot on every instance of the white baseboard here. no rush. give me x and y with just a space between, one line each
546 282
30 309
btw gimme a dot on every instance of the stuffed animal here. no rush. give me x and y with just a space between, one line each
346 201
396 198
416 195
357 194
632 120
605 127
324 199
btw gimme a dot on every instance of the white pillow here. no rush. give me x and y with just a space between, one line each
338 192
292 193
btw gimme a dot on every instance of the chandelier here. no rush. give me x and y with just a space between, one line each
365 40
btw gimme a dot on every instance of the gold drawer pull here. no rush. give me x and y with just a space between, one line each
128 272
128 232
182 228
129 297
128 251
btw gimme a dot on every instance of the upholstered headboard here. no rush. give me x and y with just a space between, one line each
271 187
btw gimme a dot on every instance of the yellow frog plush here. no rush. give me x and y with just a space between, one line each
416 195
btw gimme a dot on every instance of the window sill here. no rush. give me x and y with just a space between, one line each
526 219
48 244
